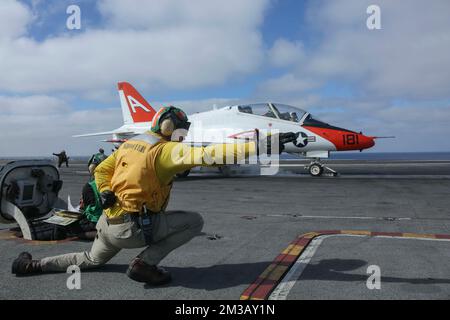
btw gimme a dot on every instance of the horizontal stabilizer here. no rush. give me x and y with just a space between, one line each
102 134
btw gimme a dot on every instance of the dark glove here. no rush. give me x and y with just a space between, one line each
107 199
265 143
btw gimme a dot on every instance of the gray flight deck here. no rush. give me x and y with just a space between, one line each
409 269
250 220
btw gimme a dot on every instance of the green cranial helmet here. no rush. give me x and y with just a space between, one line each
176 115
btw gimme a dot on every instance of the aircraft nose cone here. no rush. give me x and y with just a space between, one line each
367 142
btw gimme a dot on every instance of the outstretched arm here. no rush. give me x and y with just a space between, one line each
178 157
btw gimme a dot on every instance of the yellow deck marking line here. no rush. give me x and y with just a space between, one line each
275 271
356 232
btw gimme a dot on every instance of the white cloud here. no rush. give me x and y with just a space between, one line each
407 58
39 125
163 14
403 59
168 45
14 17
285 53
286 84
31 105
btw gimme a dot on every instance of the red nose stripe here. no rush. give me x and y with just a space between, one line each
343 140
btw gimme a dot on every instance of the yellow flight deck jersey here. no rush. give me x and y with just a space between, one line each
140 172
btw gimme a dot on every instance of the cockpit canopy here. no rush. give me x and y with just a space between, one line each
274 110
284 112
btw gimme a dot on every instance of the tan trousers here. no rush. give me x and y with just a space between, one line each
170 230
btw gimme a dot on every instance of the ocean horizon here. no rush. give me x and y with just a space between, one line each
334 155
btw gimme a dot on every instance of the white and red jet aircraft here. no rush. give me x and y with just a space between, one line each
316 139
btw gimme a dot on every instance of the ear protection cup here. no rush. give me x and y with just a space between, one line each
167 127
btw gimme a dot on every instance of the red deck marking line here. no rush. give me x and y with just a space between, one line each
303 241
418 235
285 260
263 286
442 236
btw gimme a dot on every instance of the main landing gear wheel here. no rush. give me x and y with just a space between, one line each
316 169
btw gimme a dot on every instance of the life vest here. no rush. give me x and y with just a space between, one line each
134 181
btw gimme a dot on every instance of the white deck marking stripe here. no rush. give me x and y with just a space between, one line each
413 238
338 217
381 165
282 290
284 287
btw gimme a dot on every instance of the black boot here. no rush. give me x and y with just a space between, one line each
142 272
25 265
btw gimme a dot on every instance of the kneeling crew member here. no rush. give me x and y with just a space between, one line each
135 184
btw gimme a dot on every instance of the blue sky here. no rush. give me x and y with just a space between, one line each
315 54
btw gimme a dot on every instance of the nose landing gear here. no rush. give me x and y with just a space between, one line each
317 169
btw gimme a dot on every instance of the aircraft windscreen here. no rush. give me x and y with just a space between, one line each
311 120
289 113
259 109
314 122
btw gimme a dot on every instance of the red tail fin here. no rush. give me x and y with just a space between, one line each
134 107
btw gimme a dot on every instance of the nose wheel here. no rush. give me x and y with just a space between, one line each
317 169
